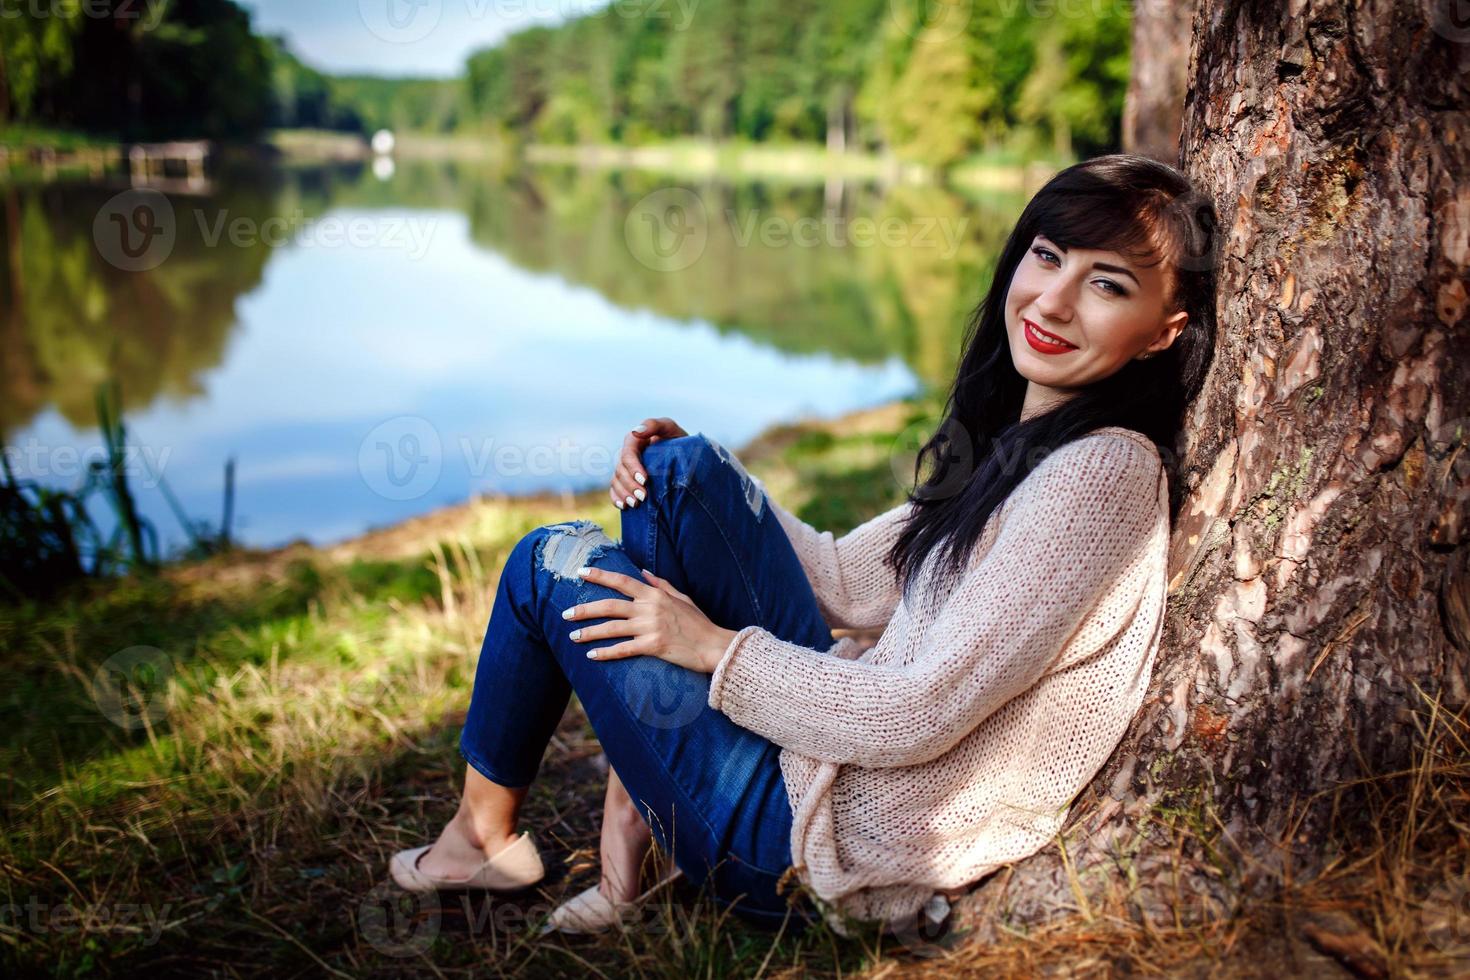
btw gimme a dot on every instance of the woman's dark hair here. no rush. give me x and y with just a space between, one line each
982 450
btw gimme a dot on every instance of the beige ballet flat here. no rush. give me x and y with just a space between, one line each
516 866
591 911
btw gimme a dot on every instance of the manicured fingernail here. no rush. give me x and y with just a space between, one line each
569 612
639 477
591 654
640 494
576 634
640 427
582 572
628 501
619 504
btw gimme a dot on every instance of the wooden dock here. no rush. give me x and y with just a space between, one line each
148 163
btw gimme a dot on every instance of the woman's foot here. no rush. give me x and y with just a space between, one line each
623 854
477 848
626 842
626 845
461 848
592 911
512 869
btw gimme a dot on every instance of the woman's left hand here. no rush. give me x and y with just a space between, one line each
658 619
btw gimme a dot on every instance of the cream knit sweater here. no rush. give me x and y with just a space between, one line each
957 743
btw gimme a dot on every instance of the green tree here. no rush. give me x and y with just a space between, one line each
303 96
35 54
938 103
648 106
117 67
572 115
833 58
705 66
769 96
370 103
1075 92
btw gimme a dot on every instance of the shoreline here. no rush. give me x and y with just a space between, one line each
56 155
420 534
391 540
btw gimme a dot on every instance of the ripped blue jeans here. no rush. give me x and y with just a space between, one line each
711 791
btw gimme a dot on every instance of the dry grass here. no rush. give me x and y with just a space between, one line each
1391 898
305 729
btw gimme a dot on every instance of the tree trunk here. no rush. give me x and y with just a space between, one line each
4 88
1318 569
837 104
1153 109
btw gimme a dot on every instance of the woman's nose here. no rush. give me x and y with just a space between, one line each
1055 302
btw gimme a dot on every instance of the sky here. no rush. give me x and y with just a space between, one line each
401 37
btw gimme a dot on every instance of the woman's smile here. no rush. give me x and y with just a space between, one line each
1044 342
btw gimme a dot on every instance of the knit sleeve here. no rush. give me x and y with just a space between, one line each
854 587
1077 521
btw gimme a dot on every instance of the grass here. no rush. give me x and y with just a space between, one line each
297 724
22 136
30 152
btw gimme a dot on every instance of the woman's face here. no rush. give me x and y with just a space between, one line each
1104 308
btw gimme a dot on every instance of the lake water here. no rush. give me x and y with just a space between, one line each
372 343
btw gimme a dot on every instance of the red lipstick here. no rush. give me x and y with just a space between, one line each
1043 342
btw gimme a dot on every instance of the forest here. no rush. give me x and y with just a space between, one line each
994 80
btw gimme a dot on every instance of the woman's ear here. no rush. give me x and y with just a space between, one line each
1171 328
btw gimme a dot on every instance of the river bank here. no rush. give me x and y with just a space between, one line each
837 472
33 153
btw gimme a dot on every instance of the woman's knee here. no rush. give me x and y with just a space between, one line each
560 549
670 457
696 460
685 459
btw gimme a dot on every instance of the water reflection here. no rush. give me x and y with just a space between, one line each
308 321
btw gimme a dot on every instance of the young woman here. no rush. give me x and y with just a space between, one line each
1020 588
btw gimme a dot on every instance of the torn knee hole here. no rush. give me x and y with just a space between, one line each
570 546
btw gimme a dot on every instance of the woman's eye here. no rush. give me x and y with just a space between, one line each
1112 287
1046 254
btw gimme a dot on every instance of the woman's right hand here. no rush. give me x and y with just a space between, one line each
628 476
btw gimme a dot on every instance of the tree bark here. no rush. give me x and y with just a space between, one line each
1318 569
1153 108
